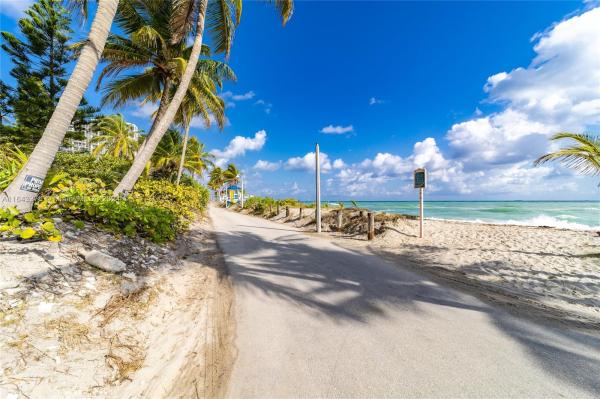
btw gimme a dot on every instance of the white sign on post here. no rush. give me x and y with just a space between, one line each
420 179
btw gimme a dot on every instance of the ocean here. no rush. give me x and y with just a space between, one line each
580 215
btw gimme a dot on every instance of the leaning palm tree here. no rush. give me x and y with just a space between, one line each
149 49
583 155
221 26
115 137
200 100
23 190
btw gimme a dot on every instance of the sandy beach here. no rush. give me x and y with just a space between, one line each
550 270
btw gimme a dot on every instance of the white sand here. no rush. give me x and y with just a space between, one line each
68 330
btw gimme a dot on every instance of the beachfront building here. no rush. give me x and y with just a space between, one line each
87 144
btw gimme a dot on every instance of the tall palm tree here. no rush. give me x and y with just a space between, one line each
583 155
149 49
221 27
200 99
116 137
23 190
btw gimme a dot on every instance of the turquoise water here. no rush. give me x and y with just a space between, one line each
564 214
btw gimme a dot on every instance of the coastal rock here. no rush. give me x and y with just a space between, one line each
103 261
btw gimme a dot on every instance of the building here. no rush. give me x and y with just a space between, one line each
87 145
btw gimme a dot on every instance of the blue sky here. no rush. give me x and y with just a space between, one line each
469 90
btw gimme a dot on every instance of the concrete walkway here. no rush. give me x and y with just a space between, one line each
318 321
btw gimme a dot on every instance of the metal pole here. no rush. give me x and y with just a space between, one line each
318 190
242 178
421 212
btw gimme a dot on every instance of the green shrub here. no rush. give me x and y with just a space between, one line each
184 201
108 169
85 199
28 226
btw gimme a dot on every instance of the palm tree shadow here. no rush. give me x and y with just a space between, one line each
324 282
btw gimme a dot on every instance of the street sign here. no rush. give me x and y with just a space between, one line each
420 178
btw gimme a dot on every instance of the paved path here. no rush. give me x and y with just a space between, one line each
318 321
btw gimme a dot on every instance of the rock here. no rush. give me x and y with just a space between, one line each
103 261
128 287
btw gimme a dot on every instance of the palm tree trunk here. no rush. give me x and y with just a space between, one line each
24 189
182 161
160 112
145 154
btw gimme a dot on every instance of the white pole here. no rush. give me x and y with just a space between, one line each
242 178
318 190
421 212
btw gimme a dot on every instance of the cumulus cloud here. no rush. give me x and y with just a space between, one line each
558 91
308 163
266 165
238 147
337 129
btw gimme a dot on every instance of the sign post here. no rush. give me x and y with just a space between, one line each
420 179
318 190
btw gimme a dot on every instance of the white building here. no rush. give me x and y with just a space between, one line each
86 145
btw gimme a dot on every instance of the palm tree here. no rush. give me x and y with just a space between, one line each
149 43
221 28
167 157
231 174
199 159
216 180
199 100
582 156
116 137
23 190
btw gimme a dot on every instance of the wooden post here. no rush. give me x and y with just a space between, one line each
270 209
339 219
370 225
300 214
421 212
318 190
278 210
287 211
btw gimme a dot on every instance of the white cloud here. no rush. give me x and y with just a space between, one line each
144 110
308 163
267 166
375 101
267 107
339 164
238 97
199 122
337 129
14 8
238 146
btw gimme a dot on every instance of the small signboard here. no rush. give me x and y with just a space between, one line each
420 178
33 184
